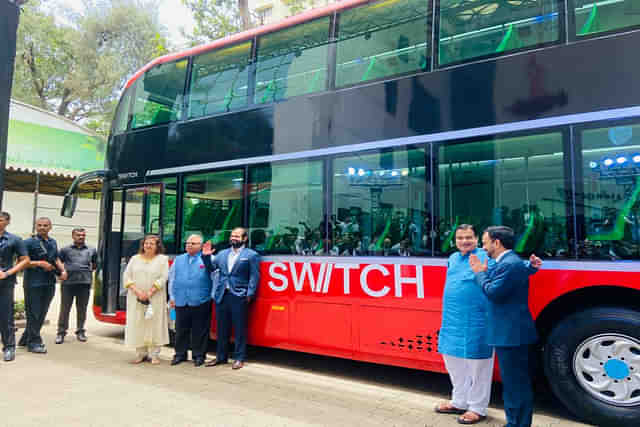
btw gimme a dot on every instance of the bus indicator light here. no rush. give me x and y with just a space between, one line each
621 160
593 165
608 162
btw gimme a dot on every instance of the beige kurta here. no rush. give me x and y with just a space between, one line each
141 332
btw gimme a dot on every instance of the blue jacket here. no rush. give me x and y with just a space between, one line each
242 280
507 289
189 281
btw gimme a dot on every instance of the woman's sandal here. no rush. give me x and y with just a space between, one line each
448 408
155 361
138 360
476 418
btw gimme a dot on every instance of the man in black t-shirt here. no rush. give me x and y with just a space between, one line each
11 247
39 283
79 261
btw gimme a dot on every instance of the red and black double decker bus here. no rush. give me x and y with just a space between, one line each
351 141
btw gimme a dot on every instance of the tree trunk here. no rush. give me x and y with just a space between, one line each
64 104
243 7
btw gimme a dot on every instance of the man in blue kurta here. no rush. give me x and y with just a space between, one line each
463 339
463 335
190 294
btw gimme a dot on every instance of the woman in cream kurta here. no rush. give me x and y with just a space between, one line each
146 278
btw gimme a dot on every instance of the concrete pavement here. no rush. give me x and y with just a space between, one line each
91 384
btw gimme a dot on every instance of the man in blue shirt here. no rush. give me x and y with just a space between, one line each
190 294
11 247
39 283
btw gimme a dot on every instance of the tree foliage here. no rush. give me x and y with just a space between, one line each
215 19
77 67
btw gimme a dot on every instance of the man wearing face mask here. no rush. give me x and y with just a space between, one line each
236 286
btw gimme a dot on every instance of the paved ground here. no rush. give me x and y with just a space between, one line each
91 384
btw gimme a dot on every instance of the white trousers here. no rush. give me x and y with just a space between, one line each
471 380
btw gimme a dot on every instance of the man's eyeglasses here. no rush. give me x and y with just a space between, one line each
193 243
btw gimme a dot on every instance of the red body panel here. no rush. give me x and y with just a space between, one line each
377 312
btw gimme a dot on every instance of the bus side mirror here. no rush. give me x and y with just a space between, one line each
69 205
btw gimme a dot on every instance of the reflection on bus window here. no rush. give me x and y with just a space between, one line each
121 119
594 17
213 206
517 182
610 198
169 207
219 80
159 95
382 39
286 208
292 61
381 204
477 28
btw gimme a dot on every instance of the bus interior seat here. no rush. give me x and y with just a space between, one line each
616 232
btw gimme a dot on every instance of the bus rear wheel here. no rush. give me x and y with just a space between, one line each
592 363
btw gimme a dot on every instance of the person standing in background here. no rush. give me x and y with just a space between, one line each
79 261
39 283
11 247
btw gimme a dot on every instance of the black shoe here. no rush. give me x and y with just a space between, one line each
198 361
38 348
23 341
9 355
80 336
178 359
59 339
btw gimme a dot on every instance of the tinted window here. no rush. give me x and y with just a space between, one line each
286 208
159 94
122 115
382 39
476 28
592 17
292 62
213 205
610 196
381 204
219 80
517 182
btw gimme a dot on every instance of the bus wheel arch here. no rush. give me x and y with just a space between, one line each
584 363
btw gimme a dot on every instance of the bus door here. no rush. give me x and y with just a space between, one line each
136 211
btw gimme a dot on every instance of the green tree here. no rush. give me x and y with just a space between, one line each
215 19
297 6
77 69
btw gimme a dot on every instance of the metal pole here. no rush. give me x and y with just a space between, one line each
9 16
35 203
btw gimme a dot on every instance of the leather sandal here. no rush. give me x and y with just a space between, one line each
448 408
476 418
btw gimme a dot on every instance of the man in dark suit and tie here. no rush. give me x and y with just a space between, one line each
511 327
238 277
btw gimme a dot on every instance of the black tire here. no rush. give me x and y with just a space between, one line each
558 357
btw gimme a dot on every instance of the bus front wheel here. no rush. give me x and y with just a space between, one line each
592 362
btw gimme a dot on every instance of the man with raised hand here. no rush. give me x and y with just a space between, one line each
236 286
511 328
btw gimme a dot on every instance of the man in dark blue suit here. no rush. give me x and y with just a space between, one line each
511 327
238 276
